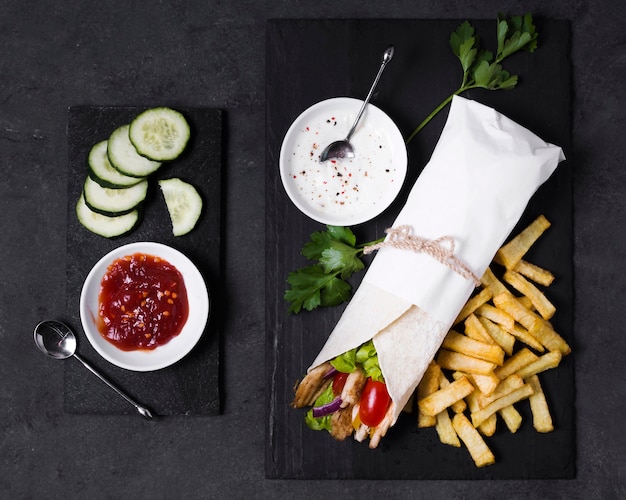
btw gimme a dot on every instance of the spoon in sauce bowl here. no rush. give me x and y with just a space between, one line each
343 149
57 340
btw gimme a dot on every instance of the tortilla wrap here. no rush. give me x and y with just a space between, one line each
476 186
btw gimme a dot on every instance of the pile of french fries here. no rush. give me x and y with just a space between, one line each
490 360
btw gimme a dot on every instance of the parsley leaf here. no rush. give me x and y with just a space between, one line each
462 42
523 35
312 287
325 283
480 68
341 257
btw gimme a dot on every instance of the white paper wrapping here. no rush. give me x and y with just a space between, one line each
475 187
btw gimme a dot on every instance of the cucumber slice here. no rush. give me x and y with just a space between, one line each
113 202
184 204
109 227
124 157
101 170
160 134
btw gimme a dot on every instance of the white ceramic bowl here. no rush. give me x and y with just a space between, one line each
350 191
175 349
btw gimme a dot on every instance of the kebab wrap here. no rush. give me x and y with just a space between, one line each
473 191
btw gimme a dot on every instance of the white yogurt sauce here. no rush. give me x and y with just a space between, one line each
344 187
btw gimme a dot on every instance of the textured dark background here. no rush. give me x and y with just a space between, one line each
211 54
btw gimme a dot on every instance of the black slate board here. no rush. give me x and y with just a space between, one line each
308 61
190 386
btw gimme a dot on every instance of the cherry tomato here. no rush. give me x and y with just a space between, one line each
374 403
338 382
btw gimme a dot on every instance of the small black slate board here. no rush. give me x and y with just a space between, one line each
190 386
309 61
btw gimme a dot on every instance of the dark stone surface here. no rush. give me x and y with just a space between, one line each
211 54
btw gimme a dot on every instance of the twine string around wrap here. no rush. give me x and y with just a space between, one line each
441 249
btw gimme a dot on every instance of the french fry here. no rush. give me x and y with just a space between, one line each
475 330
474 303
456 375
526 288
534 273
519 360
460 405
486 384
512 397
488 427
478 449
503 338
511 253
445 397
542 420
497 316
454 341
510 304
489 280
428 385
492 377
445 431
544 333
506 386
545 362
524 336
456 361
526 302
535 324
511 417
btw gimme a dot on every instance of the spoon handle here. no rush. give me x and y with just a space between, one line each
143 411
386 58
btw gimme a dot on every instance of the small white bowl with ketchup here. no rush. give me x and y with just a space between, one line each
144 306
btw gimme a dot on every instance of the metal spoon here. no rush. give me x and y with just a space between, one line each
57 340
343 149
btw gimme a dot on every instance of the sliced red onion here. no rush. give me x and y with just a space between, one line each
332 371
327 409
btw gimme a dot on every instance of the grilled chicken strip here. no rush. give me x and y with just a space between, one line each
381 429
363 430
341 424
351 393
311 386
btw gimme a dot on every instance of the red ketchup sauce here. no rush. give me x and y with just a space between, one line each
142 302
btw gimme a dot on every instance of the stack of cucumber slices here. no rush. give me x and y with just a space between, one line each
118 172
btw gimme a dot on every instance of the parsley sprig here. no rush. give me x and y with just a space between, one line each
337 257
480 68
